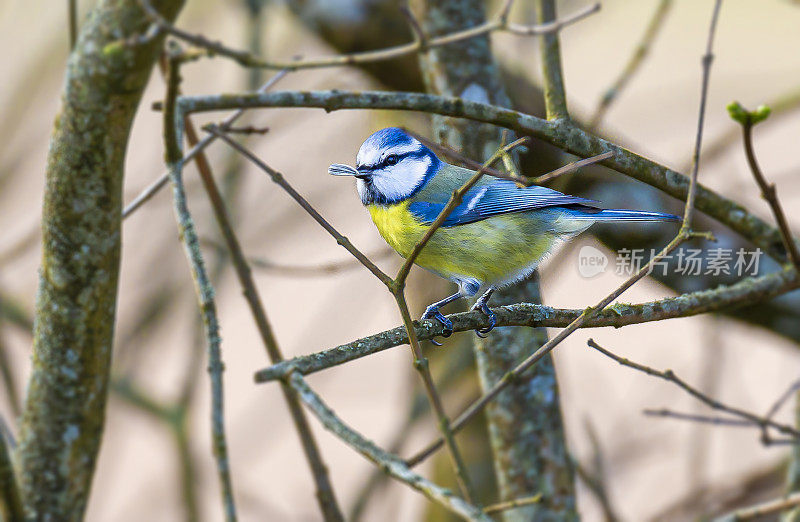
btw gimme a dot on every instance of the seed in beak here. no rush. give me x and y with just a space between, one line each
339 169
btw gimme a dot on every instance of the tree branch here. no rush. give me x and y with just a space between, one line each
708 57
173 123
62 424
391 464
748 120
562 134
555 97
196 149
278 178
325 493
668 375
634 62
746 291
761 510
248 59
10 502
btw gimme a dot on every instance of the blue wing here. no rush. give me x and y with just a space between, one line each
492 199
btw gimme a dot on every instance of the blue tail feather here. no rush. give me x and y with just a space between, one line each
624 215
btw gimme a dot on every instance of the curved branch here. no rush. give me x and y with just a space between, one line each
561 133
248 59
746 291
390 464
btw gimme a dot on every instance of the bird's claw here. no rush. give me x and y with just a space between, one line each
483 307
432 312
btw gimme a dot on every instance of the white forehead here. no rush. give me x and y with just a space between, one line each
385 142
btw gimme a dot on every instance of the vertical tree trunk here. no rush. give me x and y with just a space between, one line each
76 303
525 426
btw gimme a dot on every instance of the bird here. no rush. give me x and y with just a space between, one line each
495 237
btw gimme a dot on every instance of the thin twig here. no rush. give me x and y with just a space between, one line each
278 178
27 240
782 105
205 291
7 375
422 367
745 292
72 14
325 494
10 500
761 510
391 464
596 479
669 375
158 184
512 504
322 269
562 134
784 397
634 62
249 129
708 57
419 35
597 488
793 469
768 191
247 59
571 167
703 419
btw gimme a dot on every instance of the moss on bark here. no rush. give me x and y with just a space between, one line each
76 303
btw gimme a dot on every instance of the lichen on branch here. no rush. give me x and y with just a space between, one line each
64 413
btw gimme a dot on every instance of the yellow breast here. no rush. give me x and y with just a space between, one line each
397 225
491 251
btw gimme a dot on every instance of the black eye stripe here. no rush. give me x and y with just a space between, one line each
393 159
396 158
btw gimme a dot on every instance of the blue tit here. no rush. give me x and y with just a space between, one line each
495 237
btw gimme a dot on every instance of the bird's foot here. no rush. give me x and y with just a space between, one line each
483 307
432 312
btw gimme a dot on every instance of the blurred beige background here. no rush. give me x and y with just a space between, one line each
652 462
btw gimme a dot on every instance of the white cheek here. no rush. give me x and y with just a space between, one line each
361 188
400 181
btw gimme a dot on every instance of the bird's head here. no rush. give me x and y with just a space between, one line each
391 166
